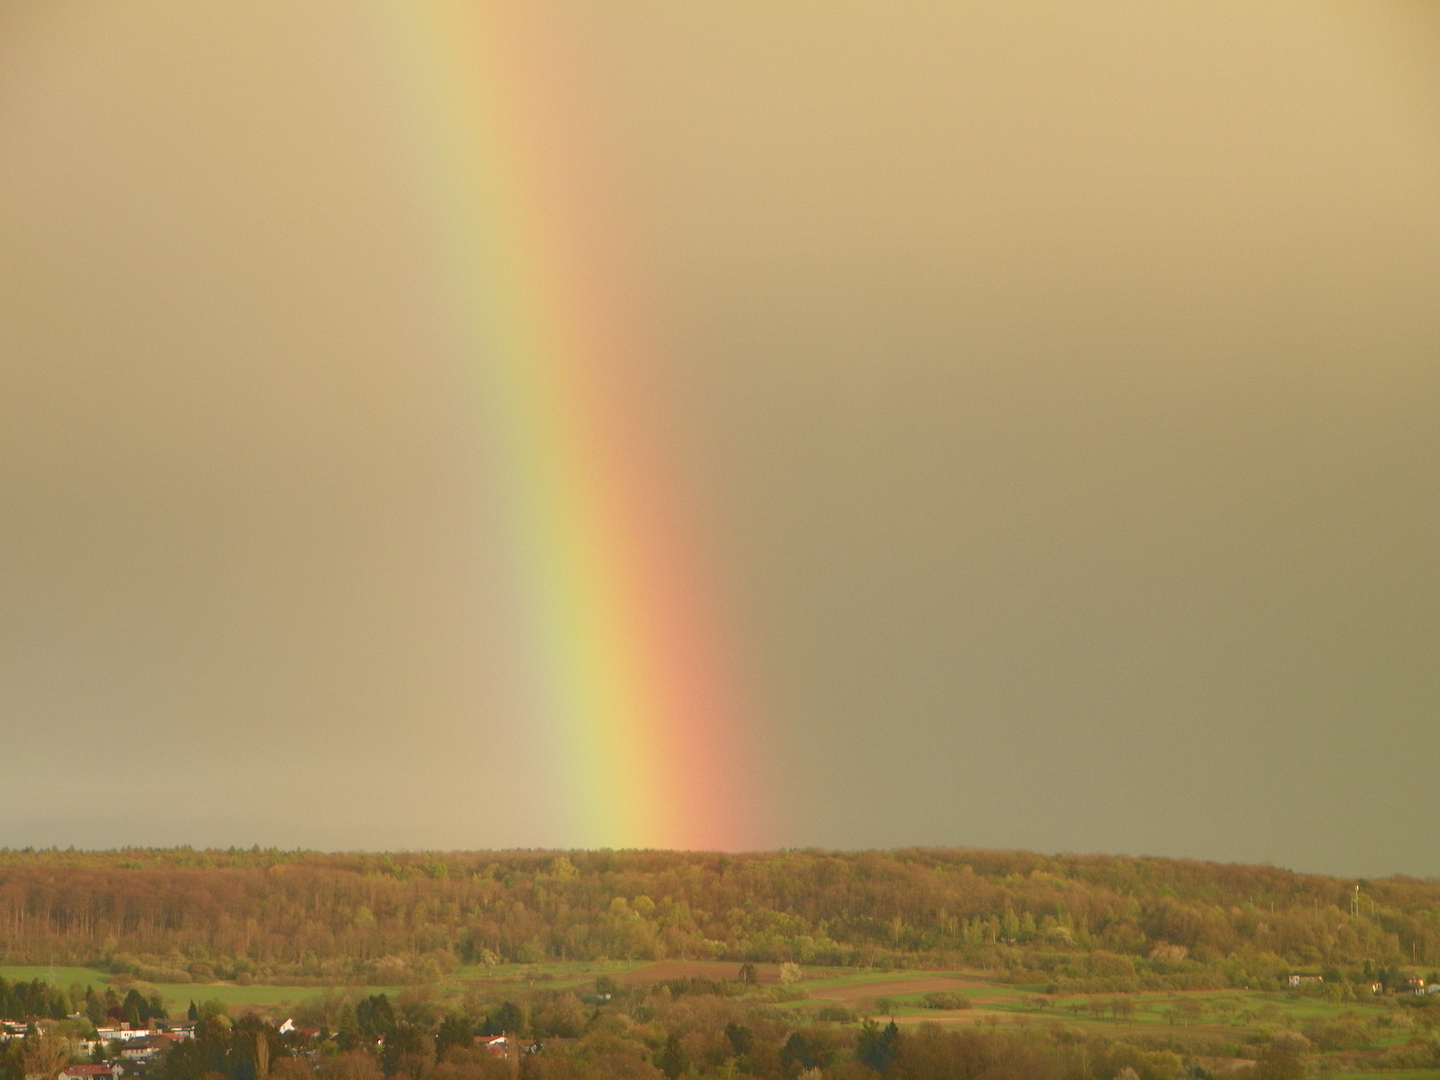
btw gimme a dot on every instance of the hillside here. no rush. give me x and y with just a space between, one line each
1087 922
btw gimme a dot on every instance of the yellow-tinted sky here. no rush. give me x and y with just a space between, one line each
1058 386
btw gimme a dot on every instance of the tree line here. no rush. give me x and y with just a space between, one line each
39 999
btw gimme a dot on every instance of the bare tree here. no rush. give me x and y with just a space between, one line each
44 1052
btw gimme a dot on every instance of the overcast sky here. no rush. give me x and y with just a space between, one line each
1059 384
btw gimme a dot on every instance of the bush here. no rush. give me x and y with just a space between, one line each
1344 1032
162 974
1290 1040
946 999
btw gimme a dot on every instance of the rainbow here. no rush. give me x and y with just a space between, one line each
620 650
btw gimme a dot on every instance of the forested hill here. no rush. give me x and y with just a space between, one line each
181 915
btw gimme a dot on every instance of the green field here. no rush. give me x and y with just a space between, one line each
177 996
60 976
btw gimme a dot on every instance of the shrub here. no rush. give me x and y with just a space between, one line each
1344 1032
946 999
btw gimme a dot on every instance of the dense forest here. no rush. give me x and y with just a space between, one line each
1080 922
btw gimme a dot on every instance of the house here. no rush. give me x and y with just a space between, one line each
147 1048
124 1033
1301 980
91 1072
500 1045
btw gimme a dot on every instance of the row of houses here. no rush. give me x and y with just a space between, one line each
108 1071
1410 986
1416 985
146 1046
134 1047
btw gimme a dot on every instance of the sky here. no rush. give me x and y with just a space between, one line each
1042 399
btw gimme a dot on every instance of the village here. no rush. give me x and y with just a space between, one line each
123 1050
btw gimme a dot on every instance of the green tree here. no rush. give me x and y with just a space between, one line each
406 1049
375 1016
741 1038
508 1019
877 1047
797 1055
672 1061
347 1033
134 1008
454 1031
